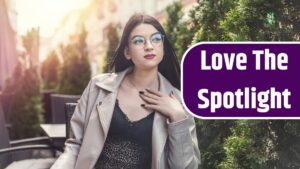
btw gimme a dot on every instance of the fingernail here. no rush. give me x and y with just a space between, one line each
143 105
141 92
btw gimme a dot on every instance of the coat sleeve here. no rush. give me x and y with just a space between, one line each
182 144
68 158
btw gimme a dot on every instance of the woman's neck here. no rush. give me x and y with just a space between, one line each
142 79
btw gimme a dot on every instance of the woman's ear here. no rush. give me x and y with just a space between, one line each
126 53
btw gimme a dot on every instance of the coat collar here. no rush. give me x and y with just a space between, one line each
159 130
113 81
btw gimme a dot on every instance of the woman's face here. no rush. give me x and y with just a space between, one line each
145 47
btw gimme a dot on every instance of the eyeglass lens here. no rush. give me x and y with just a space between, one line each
155 39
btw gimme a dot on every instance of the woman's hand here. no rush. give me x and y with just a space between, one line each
167 105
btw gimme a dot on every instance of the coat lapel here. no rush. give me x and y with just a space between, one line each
106 106
159 131
105 111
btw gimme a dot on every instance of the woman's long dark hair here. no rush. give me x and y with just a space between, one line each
168 67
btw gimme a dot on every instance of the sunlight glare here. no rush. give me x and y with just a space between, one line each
46 14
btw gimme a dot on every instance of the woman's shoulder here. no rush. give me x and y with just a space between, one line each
103 80
102 76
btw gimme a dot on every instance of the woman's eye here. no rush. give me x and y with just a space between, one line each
156 38
138 41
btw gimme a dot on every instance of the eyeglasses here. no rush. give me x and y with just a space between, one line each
139 41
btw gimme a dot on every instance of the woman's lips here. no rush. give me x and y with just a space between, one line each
149 56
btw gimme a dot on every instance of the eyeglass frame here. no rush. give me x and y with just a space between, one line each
144 44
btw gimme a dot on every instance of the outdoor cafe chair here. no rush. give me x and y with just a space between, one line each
69 111
8 147
58 102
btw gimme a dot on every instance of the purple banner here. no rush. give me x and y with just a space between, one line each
242 80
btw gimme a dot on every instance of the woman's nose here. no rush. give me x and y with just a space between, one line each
148 45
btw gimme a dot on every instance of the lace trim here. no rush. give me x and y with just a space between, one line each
127 118
121 154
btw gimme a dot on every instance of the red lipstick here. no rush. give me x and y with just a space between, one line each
149 56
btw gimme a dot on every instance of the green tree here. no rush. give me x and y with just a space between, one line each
205 19
25 85
26 111
264 144
113 41
247 144
49 71
174 16
177 29
290 18
250 146
253 20
262 20
207 16
212 135
31 44
287 147
203 25
74 72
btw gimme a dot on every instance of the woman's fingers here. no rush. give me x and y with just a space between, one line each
154 97
149 100
157 93
152 107
150 95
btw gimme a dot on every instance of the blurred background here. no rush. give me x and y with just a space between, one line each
49 50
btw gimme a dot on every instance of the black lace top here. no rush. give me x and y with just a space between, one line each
128 144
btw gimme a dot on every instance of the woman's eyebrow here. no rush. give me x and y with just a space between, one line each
137 36
144 36
155 33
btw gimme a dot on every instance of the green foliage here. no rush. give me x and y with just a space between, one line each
113 41
176 29
211 137
31 44
290 19
49 71
29 40
246 20
25 85
174 16
74 73
252 144
26 111
287 147
207 16
253 20
263 145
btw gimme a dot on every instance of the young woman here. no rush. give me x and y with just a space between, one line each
133 119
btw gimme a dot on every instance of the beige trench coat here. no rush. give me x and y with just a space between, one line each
174 145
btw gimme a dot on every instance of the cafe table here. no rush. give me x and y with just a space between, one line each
56 134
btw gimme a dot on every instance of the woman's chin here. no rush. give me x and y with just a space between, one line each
147 66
